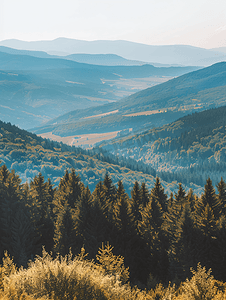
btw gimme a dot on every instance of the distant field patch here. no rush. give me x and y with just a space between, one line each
85 140
146 113
102 115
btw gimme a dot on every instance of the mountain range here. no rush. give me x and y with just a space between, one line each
167 54
152 107
36 89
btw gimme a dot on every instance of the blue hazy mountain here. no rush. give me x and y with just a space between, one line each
155 106
167 54
95 59
36 89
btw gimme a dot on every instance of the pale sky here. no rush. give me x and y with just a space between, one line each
199 23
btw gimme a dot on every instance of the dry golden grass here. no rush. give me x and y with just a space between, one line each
66 278
76 278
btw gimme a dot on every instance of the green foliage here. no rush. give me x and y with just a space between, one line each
201 286
53 158
189 149
112 264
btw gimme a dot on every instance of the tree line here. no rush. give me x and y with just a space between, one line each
159 236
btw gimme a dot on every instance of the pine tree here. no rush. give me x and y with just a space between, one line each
221 197
23 237
96 229
209 197
184 247
64 230
206 236
151 229
83 215
17 235
158 193
109 195
123 218
144 194
40 208
136 202
112 264
74 189
191 199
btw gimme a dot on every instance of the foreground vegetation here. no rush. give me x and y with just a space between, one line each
78 278
107 245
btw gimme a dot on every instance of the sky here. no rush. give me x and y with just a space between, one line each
200 23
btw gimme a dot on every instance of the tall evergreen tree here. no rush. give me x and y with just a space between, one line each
144 194
209 197
153 232
123 217
183 248
64 230
83 215
17 236
136 202
221 197
40 209
158 193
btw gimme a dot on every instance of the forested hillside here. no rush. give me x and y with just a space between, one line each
135 242
193 147
151 107
36 89
28 155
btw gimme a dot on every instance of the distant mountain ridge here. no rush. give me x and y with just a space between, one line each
36 89
168 54
96 59
152 107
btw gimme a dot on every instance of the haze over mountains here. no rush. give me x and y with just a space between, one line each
37 88
105 93
173 54
152 107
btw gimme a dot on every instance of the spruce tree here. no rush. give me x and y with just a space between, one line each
83 215
109 195
221 197
136 202
158 193
17 235
41 211
123 218
209 197
144 194
96 229
64 230
206 236
152 231
183 249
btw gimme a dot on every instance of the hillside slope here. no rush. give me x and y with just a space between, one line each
36 89
193 146
28 155
152 107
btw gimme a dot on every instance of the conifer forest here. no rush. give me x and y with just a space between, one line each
65 242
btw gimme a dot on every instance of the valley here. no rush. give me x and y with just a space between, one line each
112 172
151 107
38 89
